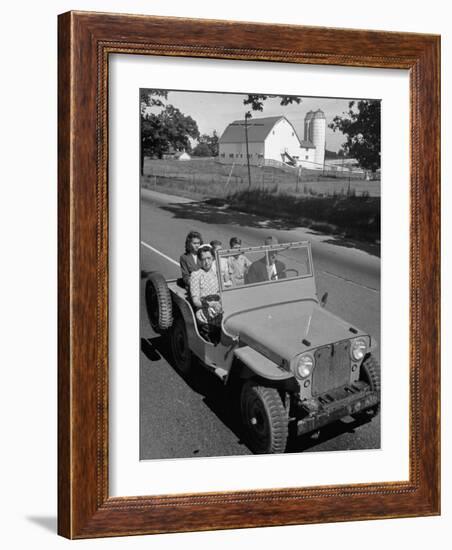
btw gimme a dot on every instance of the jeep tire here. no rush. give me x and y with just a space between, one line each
180 350
370 373
158 303
264 417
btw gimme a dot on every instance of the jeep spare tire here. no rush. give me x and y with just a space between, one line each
158 303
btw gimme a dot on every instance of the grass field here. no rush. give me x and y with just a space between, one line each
208 178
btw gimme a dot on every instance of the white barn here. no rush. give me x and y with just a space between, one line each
269 139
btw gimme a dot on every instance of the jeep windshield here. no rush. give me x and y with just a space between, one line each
264 265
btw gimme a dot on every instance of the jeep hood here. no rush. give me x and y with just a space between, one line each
283 331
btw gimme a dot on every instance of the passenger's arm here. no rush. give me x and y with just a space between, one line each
224 265
195 291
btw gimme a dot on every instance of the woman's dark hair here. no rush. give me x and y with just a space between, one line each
192 235
233 241
205 248
215 243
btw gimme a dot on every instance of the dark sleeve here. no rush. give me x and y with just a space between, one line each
253 275
185 271
249 275
282 270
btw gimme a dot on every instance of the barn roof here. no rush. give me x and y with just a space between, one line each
258 130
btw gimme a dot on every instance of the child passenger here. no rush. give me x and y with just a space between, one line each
225 279
238 264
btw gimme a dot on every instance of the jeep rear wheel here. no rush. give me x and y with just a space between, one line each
370 373
265 418
158 303
180 350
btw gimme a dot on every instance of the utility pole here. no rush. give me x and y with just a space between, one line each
247 116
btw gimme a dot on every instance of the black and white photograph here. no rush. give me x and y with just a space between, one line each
223 248
260 274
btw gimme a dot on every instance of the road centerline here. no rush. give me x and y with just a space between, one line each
160 253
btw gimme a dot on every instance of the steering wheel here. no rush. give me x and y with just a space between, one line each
293 270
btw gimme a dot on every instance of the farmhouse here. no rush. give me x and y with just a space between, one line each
174 154
274 140
183 155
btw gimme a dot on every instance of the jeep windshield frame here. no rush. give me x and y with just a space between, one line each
259 253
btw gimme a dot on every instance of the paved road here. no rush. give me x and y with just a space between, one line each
195 417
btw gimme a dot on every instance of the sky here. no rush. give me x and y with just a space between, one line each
214 111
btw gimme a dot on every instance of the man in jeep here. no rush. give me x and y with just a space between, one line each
267 268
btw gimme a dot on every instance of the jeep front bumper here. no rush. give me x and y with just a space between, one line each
334 405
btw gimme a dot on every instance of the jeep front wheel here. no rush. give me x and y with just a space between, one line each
370 373
265 418
180 350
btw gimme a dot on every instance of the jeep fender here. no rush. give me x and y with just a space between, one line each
261 366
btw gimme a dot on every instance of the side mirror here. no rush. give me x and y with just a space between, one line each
324 300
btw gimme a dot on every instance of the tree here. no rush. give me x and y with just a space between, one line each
150 97
213 143
361 125
257 100
202 150
207 146
177 128
169 128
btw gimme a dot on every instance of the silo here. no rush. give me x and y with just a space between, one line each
307 125
318 134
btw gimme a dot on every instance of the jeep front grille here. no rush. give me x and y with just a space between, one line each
332 367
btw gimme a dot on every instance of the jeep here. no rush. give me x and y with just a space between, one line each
297 366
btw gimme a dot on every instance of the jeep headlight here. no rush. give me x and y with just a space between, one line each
304 366
358 349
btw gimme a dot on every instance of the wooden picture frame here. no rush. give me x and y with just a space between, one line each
86 40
